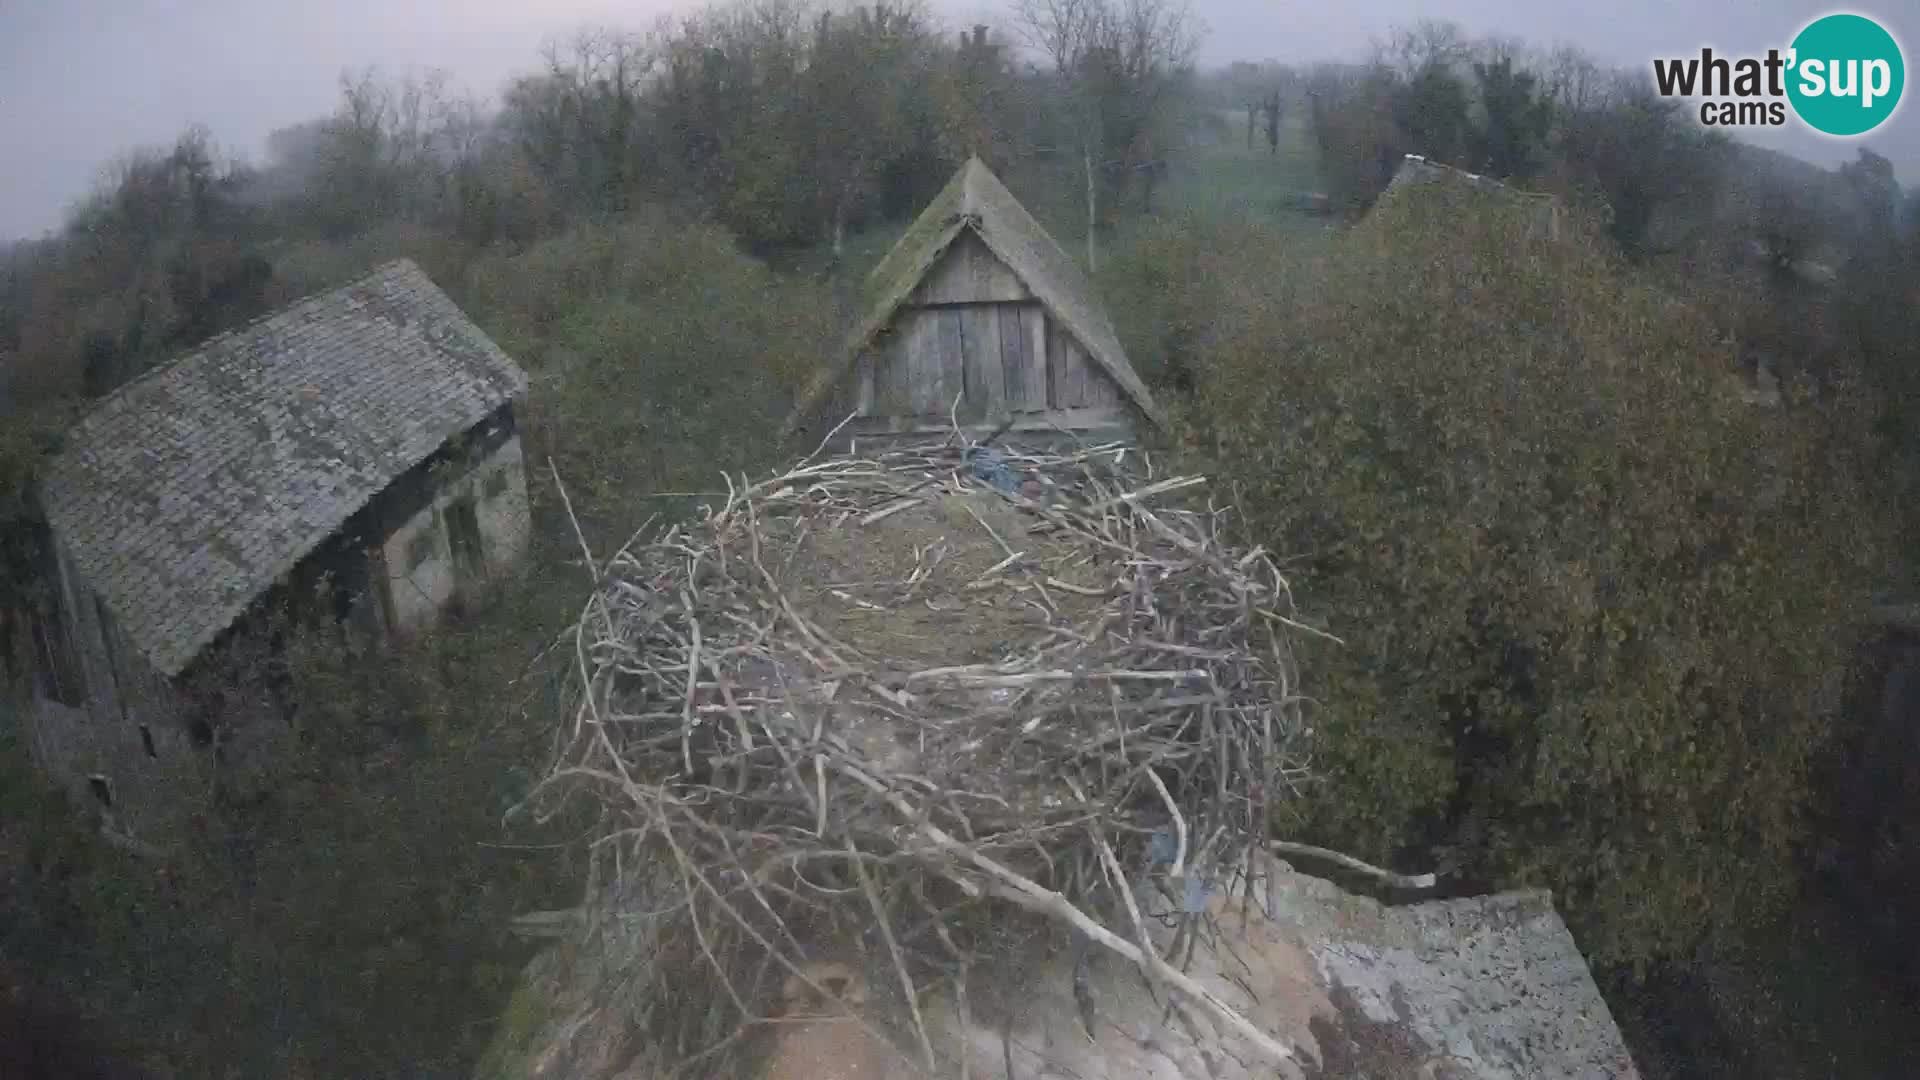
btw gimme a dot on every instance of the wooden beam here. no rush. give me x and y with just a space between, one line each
1050 420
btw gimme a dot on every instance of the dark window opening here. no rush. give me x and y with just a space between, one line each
113 657
345 599
146 741
9 620
419 549
106 632
60 679
463 536
102 791
200 728
381 582
279 678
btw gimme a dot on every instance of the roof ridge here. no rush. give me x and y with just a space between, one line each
974 198
206 345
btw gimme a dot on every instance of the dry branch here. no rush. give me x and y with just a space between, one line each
1398 881
880 677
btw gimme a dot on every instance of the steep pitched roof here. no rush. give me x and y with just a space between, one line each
976 199
1416 170
188 492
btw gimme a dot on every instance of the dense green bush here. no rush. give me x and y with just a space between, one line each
663 357
354 922
1593 606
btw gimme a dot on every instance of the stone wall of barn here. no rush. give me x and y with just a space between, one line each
117 736
422 555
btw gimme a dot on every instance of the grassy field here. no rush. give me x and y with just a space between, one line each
1229 181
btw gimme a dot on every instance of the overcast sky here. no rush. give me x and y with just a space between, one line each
84 80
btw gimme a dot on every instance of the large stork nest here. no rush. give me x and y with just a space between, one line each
941 701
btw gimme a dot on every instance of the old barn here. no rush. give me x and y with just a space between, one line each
351 460
978 316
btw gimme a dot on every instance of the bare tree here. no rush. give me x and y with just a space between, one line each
1115 59
1152 34
1429 43
1501 49
1573 81
578 123
1062 30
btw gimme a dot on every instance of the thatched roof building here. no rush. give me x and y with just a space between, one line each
977 315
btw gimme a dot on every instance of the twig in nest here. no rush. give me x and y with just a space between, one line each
1399 881
1124 888
585 551
1004 546
1179 868
893 952
966 1023
823 442
1031 895
1178 661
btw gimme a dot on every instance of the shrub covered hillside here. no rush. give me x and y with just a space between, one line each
665 356
1595 609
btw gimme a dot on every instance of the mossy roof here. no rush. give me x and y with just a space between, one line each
976 199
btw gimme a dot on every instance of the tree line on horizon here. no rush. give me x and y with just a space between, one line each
1587 623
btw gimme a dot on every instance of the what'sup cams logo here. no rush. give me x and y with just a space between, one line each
1842 75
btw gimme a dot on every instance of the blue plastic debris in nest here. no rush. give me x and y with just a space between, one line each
1161 849
989 467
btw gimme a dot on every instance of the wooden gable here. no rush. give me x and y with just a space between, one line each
972 330
968 273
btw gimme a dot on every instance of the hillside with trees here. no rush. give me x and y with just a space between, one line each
1602 620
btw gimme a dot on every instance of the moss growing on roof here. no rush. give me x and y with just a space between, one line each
913 254
976 199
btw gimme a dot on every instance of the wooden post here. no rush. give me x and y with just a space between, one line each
1086 157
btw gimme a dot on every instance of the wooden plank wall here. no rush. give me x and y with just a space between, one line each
972 330
1078 383
968 274
1023 353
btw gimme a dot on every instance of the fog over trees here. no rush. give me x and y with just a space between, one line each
1609 525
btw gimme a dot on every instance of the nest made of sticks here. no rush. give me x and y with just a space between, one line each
921 699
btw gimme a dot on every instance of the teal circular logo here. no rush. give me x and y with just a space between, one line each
1845 74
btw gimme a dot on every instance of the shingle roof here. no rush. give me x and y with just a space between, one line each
187 493
976 199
